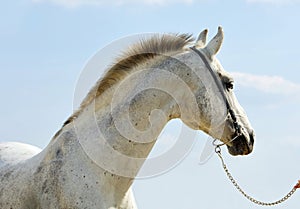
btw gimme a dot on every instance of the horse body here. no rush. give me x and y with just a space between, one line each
92 161
62 177
16 179
14 152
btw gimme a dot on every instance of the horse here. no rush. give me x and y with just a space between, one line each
92 161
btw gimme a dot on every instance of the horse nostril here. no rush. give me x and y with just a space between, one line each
251 138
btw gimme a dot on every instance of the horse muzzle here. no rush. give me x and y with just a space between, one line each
242 145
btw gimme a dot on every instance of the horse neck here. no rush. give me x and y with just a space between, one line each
112 137
119 129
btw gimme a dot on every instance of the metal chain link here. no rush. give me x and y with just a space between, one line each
233 181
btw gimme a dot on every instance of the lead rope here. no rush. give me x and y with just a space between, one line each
235 184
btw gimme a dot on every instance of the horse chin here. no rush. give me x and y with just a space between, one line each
240 146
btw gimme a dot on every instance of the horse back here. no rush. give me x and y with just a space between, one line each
12 153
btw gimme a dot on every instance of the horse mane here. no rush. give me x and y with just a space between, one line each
135 55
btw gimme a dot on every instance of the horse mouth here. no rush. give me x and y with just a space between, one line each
242 145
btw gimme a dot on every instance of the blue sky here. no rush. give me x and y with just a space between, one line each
45 44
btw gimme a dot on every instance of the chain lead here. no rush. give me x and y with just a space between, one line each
233 181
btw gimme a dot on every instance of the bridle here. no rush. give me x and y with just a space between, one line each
237 127
238 132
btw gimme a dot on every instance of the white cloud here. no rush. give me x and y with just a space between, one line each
275 2
78 3
267 84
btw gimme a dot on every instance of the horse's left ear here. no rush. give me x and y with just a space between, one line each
201 41
215 44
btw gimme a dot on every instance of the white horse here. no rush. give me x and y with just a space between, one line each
92 161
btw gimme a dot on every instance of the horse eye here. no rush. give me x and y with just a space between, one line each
229 85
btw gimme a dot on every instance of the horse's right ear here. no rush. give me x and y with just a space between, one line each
201 41
215 44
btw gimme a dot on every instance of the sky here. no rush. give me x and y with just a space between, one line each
46 44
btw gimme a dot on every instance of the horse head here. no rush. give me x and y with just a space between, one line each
221 115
